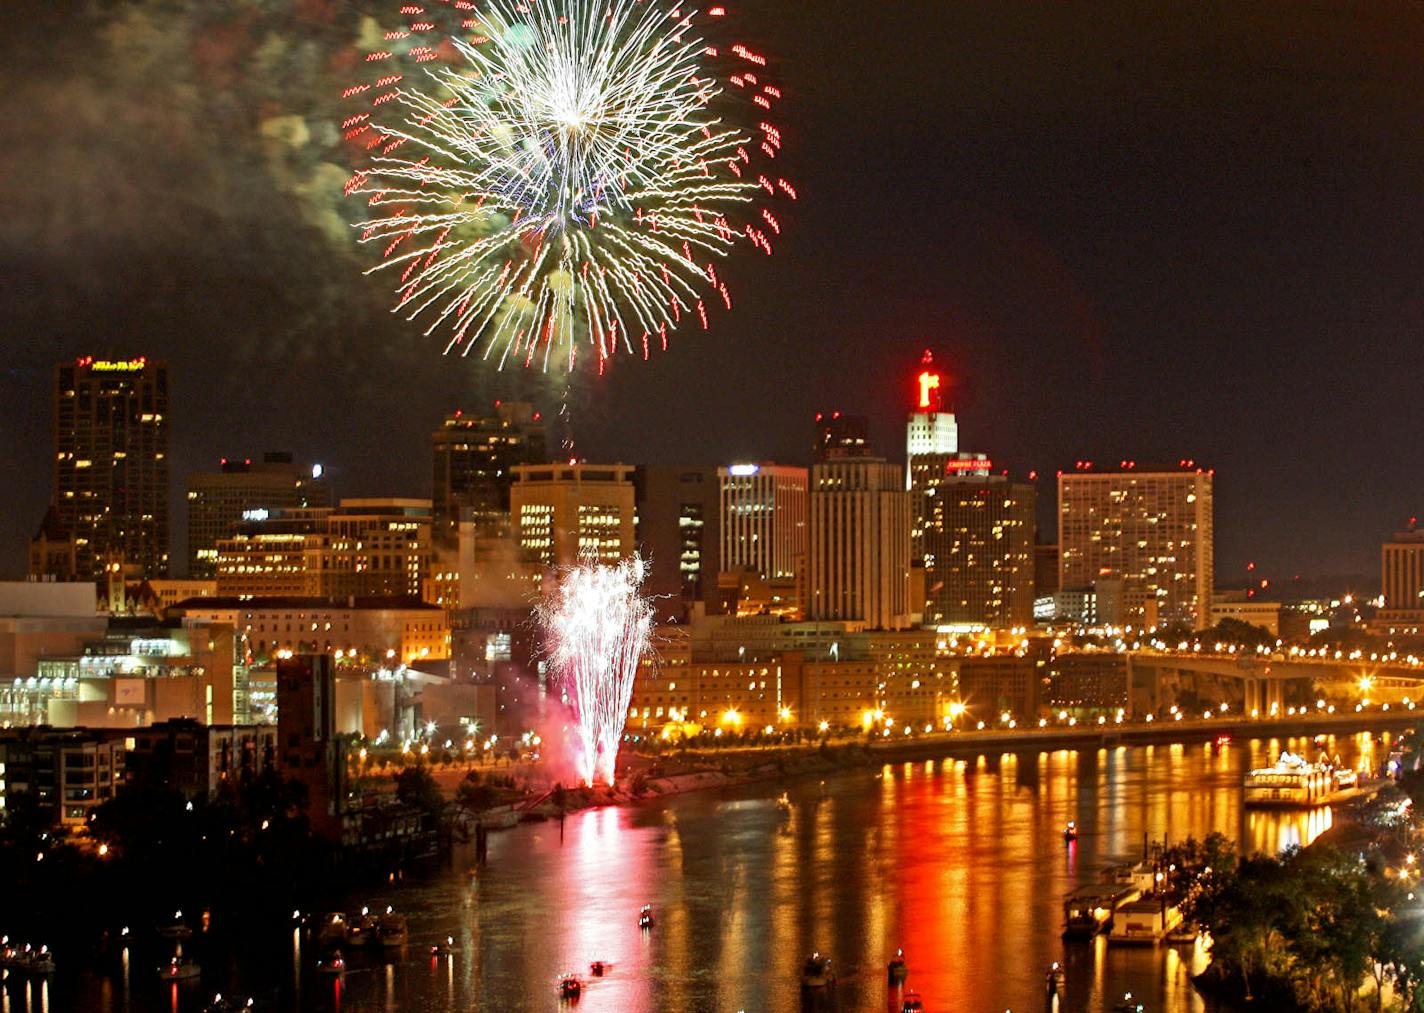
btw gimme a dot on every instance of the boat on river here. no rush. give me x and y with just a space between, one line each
1146 921
391 929
1089 910
1295 782
816 973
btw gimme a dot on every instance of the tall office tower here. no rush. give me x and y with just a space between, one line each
858 562
972 531
111 464
245 490
1145 534
975 536
763 513
562 513
678 523
931 429
1402 577
839 435
474 460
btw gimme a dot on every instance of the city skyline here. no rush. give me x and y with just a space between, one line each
1136 255
883 445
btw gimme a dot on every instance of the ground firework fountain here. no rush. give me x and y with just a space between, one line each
596 626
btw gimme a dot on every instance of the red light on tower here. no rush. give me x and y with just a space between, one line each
928 385
929 391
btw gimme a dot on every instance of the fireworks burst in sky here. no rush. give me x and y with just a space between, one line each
596 625
546 175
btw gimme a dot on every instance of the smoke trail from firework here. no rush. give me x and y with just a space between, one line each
552 173
596 625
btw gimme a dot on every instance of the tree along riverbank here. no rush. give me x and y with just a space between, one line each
1336 927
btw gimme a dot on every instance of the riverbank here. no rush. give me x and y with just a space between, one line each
705 769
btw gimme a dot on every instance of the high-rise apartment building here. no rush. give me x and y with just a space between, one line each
678 523
361 548
1149 528
111 464
858 561
1402 578
245 490
564 512
474 460
763 513
975 536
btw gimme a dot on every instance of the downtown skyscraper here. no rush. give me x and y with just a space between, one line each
110 477
973 531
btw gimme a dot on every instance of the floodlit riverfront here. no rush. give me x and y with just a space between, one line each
960 862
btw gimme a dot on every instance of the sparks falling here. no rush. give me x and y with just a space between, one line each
596 625
548 175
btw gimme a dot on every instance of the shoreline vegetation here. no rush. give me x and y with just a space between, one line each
1334 927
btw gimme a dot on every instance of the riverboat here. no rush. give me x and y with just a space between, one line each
1148 921
1089 909
1293 781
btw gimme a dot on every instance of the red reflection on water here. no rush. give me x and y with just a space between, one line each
601 884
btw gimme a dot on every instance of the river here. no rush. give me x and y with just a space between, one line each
961 863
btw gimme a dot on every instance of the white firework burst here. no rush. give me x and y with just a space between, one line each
565 172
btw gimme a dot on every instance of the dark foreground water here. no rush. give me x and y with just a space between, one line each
962 863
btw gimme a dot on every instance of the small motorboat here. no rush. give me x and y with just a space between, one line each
897 972
360 928
1129 1005
222 1004
13 956
816 973
570 988
180 969
598 969
645 917
333 966
443 949
41 961
391 929
331 932
912 1003
1070 832
1053 980
174 927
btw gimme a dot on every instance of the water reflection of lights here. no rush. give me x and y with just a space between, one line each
1271 831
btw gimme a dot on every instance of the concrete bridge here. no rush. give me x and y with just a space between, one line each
1381 678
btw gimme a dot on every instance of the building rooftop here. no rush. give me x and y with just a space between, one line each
371 603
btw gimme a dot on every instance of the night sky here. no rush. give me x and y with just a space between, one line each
1125 231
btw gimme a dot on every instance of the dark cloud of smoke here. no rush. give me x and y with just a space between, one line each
174 174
